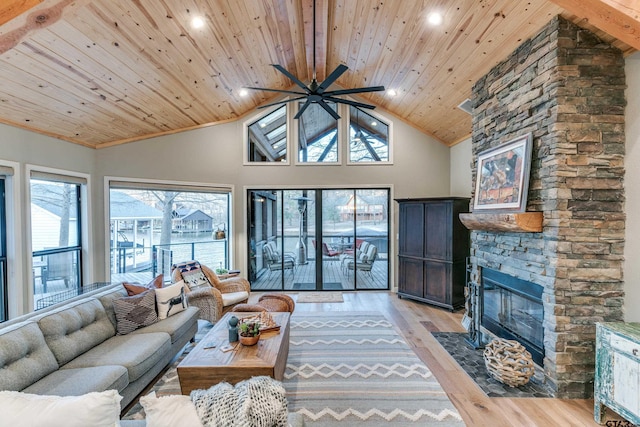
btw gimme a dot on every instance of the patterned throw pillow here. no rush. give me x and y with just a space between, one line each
136 288
195 278
186 266
171 300
135 312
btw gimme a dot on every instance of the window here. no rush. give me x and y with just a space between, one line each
56 239
153 225
317 135
368 138
267 138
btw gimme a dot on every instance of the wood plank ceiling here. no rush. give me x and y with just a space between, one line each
106 72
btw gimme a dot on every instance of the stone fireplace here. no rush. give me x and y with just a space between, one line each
566 87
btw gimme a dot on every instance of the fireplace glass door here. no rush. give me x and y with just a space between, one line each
513 314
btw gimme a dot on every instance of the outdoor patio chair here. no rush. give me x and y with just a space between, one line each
275 261
363 261
347 257
59 267
213 296
326 250
351 250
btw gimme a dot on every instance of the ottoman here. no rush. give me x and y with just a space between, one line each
269 302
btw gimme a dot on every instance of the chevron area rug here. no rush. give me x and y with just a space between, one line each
354 369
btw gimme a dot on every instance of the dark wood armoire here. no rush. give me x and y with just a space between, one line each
433 247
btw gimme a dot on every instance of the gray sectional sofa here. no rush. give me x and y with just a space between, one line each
72 348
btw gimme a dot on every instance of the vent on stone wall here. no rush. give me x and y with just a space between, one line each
466 106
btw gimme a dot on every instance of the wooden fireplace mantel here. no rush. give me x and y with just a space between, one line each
525 222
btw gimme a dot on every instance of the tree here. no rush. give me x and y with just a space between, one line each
165 200
61 200
67 190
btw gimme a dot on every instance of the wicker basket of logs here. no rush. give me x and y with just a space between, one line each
508 362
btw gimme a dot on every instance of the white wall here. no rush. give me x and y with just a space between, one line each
460 169
29 147
632 190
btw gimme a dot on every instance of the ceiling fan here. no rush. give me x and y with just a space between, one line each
318 93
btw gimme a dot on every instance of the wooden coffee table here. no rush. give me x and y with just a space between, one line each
204 367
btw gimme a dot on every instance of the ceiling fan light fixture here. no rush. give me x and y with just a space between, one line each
318 93
392 92
243 92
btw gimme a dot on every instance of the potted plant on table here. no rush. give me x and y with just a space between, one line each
249 332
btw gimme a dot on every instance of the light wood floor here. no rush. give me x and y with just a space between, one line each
475 407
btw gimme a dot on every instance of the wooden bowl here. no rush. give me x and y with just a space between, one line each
249 340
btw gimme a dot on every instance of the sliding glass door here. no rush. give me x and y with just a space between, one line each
318 239
334 237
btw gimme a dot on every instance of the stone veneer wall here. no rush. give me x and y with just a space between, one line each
566 87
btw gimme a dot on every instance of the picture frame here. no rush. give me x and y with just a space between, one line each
502 176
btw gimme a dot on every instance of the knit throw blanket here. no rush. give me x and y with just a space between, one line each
256 402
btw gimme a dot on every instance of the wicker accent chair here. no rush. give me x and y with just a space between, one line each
269 302
216 297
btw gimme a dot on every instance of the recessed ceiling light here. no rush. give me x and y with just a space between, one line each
435 18
243 92
197 22
374 123
392 92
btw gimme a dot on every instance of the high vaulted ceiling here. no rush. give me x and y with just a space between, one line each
106 72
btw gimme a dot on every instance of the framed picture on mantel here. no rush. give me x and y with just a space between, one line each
502 177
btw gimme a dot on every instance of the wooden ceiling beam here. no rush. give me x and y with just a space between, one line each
617 18
321 36
12 8
16 24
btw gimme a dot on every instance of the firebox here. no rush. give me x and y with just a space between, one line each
512 309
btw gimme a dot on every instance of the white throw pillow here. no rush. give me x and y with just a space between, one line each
169 411
97 409
171 300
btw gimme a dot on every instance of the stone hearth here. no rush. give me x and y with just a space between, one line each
566 87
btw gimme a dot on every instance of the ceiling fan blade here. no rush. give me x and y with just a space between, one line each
284 101
329 109
340 69
349 102
355 90
301 110
291 76
275 90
